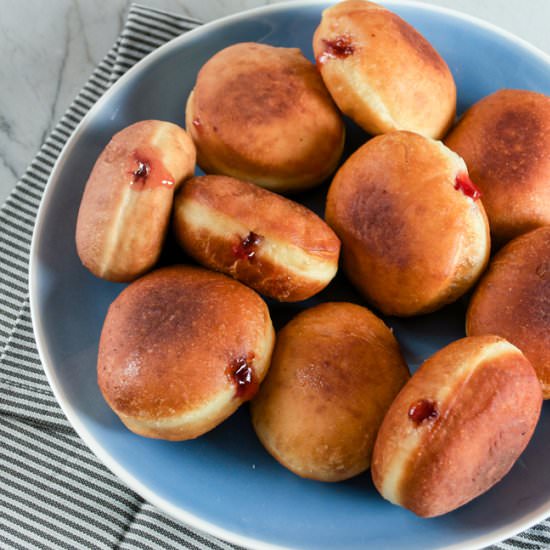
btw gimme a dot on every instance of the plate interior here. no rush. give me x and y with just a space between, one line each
225 477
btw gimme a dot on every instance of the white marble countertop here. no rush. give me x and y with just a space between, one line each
50 48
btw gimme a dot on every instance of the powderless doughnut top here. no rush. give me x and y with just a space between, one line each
126 206
263 114
414 233
336 369
513 300
181 349
278 247
505 141
383 73
457 427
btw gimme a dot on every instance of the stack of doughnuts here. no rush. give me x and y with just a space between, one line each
413 218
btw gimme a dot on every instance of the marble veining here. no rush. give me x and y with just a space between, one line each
50 48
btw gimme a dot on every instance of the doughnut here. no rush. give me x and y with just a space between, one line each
263 114
457 427
276 246
383 73
336 369
125 209
505 141
513 300
181 349
414 233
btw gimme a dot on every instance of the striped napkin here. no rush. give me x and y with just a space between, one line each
54 493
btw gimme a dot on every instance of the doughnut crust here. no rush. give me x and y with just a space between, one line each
381 72
276 246
513 300
125 210
336 369
263 114
181 349
414 233
457 427
505 141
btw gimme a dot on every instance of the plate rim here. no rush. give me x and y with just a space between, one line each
42 344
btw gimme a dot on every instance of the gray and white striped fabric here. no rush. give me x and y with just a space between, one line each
54 493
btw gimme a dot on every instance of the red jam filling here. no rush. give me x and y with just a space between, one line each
338 48
423 410
142 171
147 171
241 374
466 185
246 248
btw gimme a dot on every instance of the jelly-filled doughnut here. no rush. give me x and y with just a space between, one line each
276 246
457 427
336 369
505 141
381 72
263 114
414 233
126 206
513 300
180 350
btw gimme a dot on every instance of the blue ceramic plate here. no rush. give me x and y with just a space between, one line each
224 482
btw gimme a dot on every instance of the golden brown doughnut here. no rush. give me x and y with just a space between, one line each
276 246
505 141
181 349
457 427
126 206
336 369
413 230
381 72
263 114
513 300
